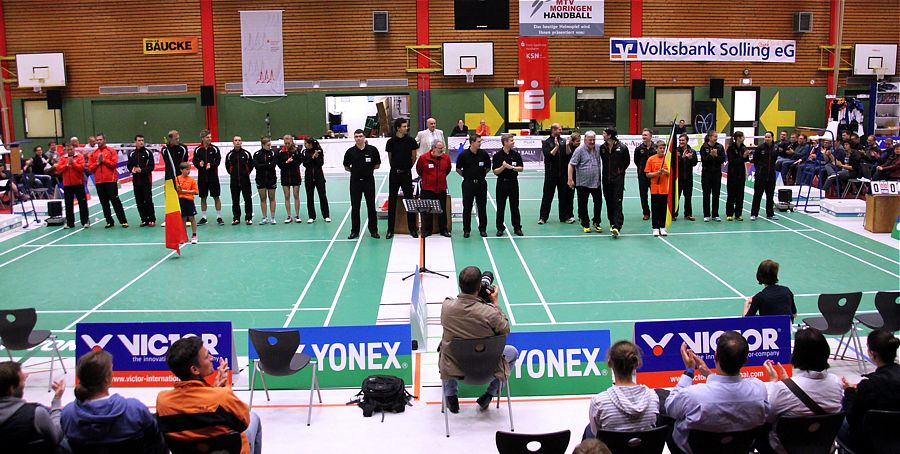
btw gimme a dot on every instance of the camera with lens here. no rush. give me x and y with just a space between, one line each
487 286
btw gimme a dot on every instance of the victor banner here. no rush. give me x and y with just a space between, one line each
262 53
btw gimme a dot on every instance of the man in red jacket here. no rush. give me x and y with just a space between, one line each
71 169
102 163
433 167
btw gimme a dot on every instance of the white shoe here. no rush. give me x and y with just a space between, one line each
327 219
264 221
663 232
570 221
541 222
752 218
272 220
309 221
288 220
717 219
705 219
298 219
655 232
194 239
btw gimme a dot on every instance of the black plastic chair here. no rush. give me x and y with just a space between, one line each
277 351
808 434
549 443
880 431
477 358
643 442
888 316
17 333
837 319
34 447
703 442
229 443
134 446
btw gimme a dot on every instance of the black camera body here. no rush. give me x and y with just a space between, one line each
487 286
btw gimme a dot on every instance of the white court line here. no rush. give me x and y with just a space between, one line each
606 235
201 243
122 289
315 272
703 268
665 300
340 289
512 318
610 322
842 240
524 265
160 311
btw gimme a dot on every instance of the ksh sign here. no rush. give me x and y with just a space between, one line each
139 349
556 363
159 46
345 355
768 338
702 49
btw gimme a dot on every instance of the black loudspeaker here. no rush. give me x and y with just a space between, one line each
638 88
481 14
380 21
207 96
54 209
54 99
716 88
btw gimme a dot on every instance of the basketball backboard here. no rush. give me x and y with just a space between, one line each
870 58
477 56
41 70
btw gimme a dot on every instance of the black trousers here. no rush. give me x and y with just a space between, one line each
71 193
658 204
686 188
508 190
400 179
551 182
474 191
613 191
358 187
143 198
239 189
712 188
317 184
763 184
734 202
566 199
583 194
643 189
109 194
428 219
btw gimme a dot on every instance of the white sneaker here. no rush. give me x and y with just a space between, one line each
298 219
705 219
752 218
570 221
663 232
310 221
194 239
264 221
272 220
717 219
541 222
288 220
327 219
655 232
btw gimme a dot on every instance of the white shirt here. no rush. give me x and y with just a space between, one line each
823 388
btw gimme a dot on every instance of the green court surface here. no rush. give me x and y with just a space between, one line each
553 278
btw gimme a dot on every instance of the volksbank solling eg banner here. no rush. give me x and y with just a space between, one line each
702 49
560 18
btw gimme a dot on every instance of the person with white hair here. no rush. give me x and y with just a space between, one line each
584 177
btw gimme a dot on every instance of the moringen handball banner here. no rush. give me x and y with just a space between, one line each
769 338
139 349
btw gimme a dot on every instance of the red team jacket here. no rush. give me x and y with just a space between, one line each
71 175
105 173
433 171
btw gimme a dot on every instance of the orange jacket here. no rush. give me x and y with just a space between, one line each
187 184
219 406
71 175
106 172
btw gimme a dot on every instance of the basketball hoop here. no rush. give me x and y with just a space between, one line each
470 74
879 72
38 83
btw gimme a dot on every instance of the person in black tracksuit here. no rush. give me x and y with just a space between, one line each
239 164
401 150
641 154
738 154
567 194
313 160
473 165
362 160
614 159
264 161
552 148
763 159
207 158
687 160
141 164
712 156
507 163
178 153
289 160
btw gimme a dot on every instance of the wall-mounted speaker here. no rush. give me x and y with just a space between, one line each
638 88
716 88
207 96
380 21
802 22
54 99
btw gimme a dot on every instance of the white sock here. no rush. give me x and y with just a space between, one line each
204 214
218 213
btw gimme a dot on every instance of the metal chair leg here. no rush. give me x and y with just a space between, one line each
252 380
499 395
854 333
56 349
262 375
9 353
312 385
445 410
838 349
316 379
509 405
50 373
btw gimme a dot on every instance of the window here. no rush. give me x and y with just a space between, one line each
673 103
595 108
41 122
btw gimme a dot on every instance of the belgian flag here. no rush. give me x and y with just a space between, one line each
671 162
176 235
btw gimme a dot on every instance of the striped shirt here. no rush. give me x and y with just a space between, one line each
624 408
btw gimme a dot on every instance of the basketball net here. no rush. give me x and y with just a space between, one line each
38 83
879 72
470 75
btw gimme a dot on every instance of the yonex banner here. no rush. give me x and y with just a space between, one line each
560 18
769 338
139 349
348 354
702 49
556 362
528 146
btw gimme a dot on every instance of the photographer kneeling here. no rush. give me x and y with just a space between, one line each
473 314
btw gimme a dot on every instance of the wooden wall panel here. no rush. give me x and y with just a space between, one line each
862 27
332 40
102 41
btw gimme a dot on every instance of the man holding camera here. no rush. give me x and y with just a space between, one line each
473 314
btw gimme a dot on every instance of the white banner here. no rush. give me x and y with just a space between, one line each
561 18
262 53
702 49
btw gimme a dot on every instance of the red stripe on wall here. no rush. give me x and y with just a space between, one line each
637 29
209 64
3 73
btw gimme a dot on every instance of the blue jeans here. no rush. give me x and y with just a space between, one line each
254 434
451 386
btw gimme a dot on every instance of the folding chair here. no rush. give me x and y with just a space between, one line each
229 443
277 350
888 316
477 358
837 319
861 182
17 333
641 442
549 443
808 434
703 442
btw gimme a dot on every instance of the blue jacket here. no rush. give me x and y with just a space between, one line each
109 420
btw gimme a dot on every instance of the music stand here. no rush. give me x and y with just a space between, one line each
429 207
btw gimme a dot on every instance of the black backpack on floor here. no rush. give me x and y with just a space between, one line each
384 393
